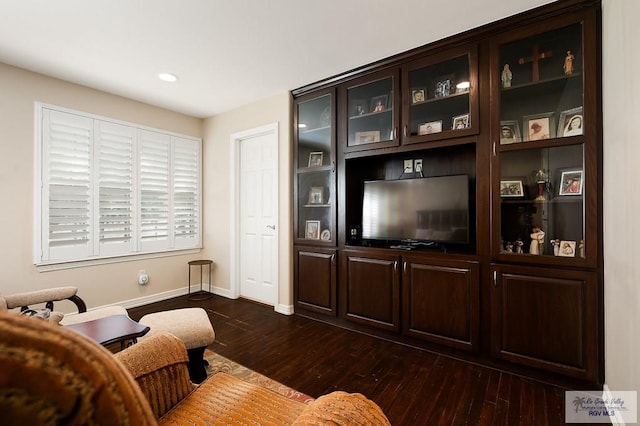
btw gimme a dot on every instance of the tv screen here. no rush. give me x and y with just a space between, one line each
433 209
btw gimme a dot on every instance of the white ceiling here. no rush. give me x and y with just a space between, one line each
226 53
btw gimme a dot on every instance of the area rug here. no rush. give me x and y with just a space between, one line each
219 363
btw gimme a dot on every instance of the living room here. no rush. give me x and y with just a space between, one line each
117 283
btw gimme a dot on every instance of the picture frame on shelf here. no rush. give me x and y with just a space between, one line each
312 229
325 235
315 159
570 123
358 107
379 103
418 95
571 182
316 195
567 248
362 138
430 127
509 132
442 86
539 126
461 122
512 188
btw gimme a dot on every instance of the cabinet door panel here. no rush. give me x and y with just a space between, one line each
315 280
371 290
546 319
441 302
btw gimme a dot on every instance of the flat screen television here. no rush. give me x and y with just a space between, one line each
429 210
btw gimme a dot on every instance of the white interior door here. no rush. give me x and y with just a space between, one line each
258 185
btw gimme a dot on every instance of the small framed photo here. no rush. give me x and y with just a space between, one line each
316 195
511 188
418 95
461 122
509 132
539 126
358 107
315 159
325 235
367 137
571 182
379 103
567 249
570 123
430 127
312 230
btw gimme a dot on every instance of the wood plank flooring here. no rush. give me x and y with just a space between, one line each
413 387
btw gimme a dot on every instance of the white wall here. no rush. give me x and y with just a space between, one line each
99 285
216 167
621 84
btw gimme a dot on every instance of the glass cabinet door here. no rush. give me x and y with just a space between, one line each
371 112
541 148
315 169
440 99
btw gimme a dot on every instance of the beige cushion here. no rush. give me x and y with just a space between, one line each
39 296
191 325
93 314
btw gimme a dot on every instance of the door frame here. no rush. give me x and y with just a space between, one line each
234 208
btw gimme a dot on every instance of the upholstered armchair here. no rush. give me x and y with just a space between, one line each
53 375
23 301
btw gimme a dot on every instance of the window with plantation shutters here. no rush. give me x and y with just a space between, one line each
110 189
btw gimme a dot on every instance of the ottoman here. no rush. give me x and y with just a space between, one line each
192 326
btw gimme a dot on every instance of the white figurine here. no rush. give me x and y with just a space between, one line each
537 241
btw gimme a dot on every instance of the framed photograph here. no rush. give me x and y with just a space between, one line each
325 235
316 195
539 126
315 159
570 123
511 188
312 230
358 107
367 137
461 122
442 86
430 127
379 103
567 249
418 95
509 132
571 182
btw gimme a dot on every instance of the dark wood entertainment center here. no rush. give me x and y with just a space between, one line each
516 105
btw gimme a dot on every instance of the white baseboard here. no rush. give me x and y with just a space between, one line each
284 309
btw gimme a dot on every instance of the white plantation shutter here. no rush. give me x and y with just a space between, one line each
115 159
154 189
66 186
114 189
186 192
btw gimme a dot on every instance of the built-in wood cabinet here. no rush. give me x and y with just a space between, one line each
515 106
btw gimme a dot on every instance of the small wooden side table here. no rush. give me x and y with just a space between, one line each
111 329
200 295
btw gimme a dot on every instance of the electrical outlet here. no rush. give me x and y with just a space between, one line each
417 164
408 166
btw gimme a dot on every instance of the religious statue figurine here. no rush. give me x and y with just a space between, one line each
507 75
519 245
556 247
509 248
568 63
537 241
542 179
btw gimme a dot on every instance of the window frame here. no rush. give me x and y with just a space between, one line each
179 241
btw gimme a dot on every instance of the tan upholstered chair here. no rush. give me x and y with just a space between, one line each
52 375
47 296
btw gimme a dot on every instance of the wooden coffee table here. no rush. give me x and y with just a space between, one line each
111 329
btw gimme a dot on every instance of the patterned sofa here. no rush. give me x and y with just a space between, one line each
52 375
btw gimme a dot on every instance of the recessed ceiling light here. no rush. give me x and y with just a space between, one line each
165 76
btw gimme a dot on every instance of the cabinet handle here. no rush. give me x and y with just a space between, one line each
333 259
395 133
494 149
333 167
495 279
404 268
404 131
395 266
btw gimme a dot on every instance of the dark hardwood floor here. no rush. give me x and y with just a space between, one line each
412 386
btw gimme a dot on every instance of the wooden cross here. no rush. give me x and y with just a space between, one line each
534 58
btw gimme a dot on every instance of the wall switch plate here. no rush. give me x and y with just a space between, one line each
417 164
408 166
